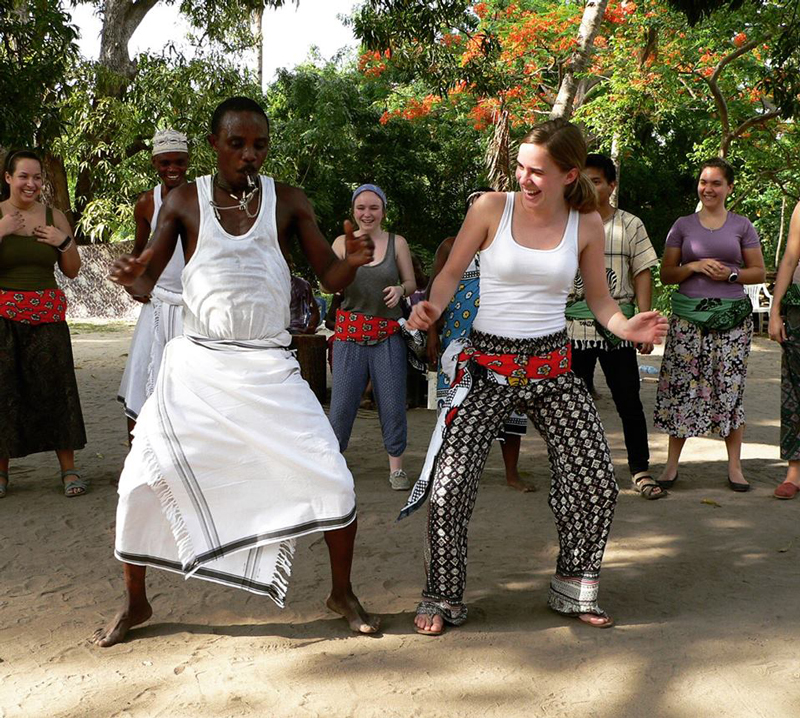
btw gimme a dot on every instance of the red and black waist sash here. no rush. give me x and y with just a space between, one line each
43 306
363 328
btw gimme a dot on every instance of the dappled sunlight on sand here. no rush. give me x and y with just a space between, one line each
702 585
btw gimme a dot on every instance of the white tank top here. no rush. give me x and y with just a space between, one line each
237 287
170 280
523 290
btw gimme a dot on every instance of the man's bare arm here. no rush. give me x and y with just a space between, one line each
141 273
142 214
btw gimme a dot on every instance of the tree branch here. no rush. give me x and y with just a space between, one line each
738 52
755 120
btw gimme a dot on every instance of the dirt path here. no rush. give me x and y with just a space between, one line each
703 586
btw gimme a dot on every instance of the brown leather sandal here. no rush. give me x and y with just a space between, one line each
647 486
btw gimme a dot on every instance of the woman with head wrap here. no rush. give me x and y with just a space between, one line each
367 343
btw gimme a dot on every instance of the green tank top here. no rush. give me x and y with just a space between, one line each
27 264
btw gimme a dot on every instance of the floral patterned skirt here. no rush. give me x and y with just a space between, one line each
701 386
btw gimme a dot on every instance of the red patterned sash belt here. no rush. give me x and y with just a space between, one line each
357 327
518 369
33 307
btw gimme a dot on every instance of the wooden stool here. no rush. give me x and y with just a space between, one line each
311 355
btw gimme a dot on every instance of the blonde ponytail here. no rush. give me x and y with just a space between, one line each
582 194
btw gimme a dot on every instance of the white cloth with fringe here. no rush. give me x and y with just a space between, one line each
233 458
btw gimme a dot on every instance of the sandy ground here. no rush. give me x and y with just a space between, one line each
703 586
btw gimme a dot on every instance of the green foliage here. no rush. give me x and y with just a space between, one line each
226 24
37 48
327 138
167 91
417 112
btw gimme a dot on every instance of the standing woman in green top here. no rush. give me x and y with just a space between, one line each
39 405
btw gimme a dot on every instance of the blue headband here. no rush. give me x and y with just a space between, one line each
369 188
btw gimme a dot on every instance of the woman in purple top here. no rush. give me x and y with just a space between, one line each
709 255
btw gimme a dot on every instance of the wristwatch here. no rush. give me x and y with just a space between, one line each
733 276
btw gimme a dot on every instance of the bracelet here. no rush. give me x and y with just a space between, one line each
402 286
64 246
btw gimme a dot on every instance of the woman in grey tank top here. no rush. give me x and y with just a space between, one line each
367 344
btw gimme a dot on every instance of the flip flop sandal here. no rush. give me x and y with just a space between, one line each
3 487
647 487
76 487
453 615
608 623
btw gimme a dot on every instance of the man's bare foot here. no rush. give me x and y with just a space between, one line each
118 627
352 611
429 625
595 620
519 485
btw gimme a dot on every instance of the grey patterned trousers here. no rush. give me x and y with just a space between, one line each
583 490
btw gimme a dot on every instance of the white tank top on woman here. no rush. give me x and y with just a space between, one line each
237 287
523 290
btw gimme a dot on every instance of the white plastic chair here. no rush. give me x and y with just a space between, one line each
754 292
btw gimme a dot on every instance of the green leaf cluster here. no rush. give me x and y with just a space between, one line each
37 49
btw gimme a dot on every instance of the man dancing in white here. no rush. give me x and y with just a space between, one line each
233 457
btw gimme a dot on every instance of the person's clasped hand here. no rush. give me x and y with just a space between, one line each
50 235
392 295
11 223
713 269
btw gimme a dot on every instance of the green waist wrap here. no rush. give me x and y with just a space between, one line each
579 309
711 312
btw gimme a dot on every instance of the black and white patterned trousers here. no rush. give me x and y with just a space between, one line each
583 490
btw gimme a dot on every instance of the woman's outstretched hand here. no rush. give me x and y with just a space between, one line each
647 328
127 269
423 316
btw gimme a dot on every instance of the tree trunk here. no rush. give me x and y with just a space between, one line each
590 24
121 18
780 232
614 199
56 176
498 158
258 35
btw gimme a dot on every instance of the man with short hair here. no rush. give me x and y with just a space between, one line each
233 457
160 317
629 256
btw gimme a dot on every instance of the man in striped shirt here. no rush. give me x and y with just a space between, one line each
629 256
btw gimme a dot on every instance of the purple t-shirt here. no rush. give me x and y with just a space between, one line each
724 244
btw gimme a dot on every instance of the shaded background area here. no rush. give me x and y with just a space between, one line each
703 586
